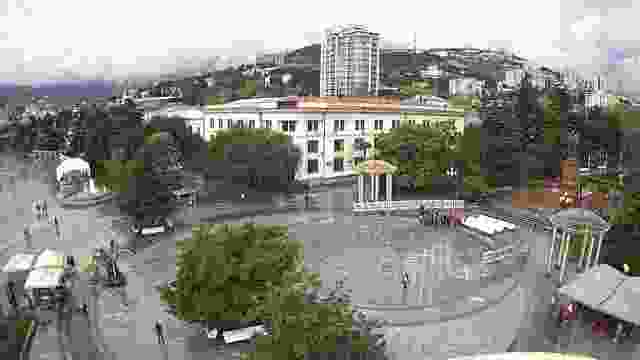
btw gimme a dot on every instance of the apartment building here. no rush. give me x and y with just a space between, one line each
327 130
350 62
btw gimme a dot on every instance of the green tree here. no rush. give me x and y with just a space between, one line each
468 103
225 273
434 147
248 88
411 88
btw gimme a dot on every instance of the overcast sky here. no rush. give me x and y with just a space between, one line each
44 39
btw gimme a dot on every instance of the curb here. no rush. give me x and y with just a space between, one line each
26 346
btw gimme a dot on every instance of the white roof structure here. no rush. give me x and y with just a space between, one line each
50 259
71 164
19 262
594 286
44 278
487 224
623 304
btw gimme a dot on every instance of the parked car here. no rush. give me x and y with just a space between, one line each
152 226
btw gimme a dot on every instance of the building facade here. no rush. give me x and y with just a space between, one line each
327 130
350 62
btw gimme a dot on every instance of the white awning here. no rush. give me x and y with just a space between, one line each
44 278
623 304
71 164
19 262
594 286
50 259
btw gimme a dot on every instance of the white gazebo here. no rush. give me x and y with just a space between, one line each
370 173
565 224
72 164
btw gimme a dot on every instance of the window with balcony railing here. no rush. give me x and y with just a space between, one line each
338 145
338 125
360 125
220 124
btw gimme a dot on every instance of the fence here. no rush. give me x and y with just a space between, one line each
406 205
46 155
494 256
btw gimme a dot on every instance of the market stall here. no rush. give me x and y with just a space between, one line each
46 287
594 287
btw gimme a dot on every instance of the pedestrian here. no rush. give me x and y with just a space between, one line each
11 293
159 333
27 237
45 209
37 209
56 225
85 309
405 280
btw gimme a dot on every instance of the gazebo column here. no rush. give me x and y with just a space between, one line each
389 187
565 253
373 187
360 190
584 242
552 248
596 261
589 261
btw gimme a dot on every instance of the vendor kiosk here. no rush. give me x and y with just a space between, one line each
48 284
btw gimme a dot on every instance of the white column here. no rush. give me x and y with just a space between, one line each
388 195
551 249
596 261
373 187
359 190
583 249
558 258
565 252
589 260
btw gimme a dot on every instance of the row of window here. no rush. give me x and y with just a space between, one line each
290 126
313 165
313 146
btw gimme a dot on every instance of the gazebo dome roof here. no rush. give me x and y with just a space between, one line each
568 219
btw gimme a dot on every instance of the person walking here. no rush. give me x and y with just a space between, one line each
405 280
36 206
160 333
11 293
45 209
56 225
27 237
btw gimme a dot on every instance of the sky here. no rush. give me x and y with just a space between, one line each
49 40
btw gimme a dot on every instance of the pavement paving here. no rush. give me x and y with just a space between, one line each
118 330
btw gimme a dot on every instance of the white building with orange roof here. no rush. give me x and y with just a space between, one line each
327 129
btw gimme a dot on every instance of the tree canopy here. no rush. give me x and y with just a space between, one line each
233 274
257 157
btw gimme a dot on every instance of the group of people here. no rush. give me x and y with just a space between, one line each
436 216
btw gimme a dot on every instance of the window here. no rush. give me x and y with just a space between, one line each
338 125
267 124
220 124
338 145
412 122
289 126
395 124
229 123
312 125
312 166
212 123
240 123
338 164
252 124
378 124
359 124
312 146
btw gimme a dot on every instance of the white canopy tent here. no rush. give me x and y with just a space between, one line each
72 164
19 262
595 286
44 278
623 303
